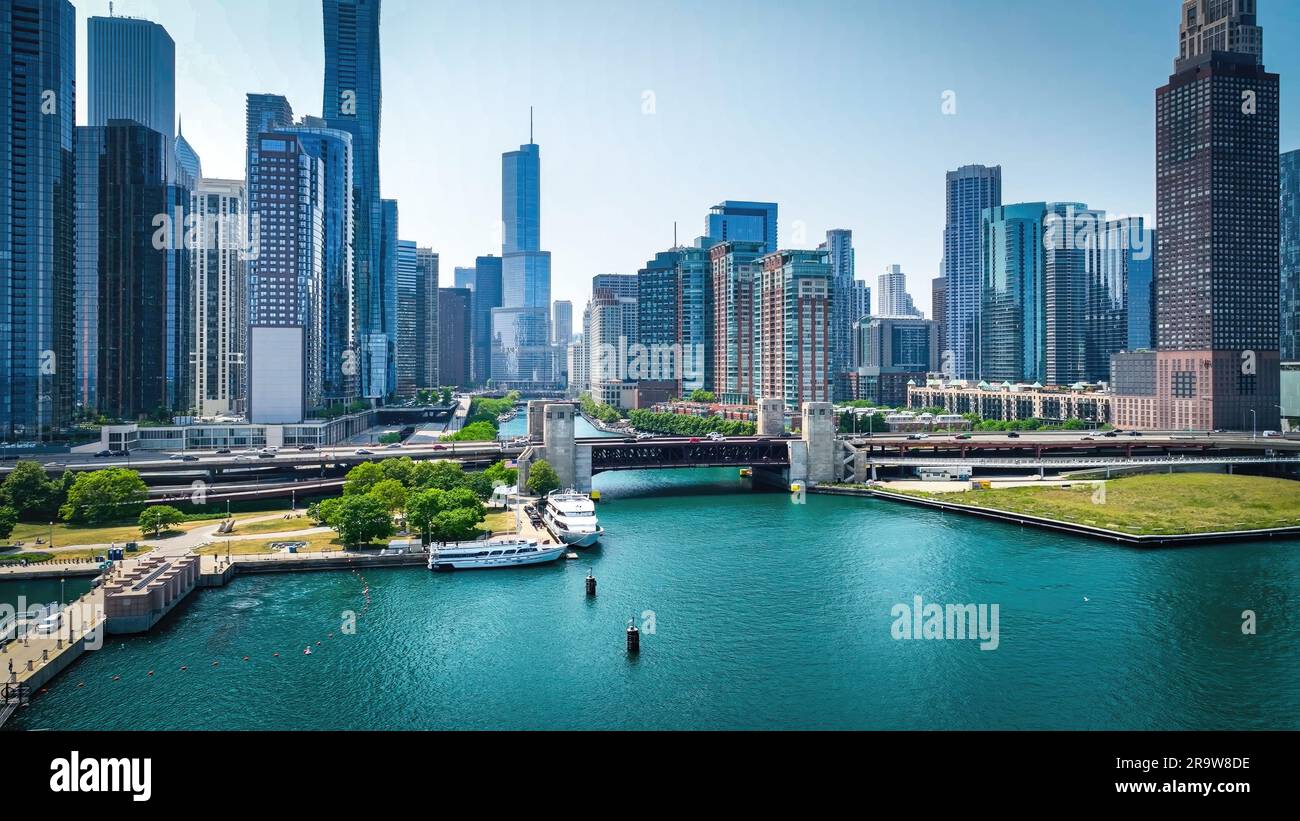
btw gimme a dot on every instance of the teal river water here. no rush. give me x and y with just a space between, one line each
766 614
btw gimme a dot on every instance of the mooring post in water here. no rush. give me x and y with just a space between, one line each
591 584
633 638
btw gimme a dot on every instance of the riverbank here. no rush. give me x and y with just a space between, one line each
1152 510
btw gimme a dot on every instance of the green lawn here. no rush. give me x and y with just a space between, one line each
1163 504
276 525
318 543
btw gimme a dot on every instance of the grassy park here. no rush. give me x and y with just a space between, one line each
1163 504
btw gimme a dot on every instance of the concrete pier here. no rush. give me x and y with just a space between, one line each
771 417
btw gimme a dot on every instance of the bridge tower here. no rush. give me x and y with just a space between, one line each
560 445
536 417
771 417
819 439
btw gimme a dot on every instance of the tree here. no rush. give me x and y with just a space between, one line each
105 496
423 507
154 520
446 397
29 488
482 431
542 478
391 494
442 474
360 519
8 519
362 478
458 525
703 396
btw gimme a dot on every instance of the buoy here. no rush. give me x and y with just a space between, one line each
633 638
591 584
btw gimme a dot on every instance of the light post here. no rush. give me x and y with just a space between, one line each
1253 427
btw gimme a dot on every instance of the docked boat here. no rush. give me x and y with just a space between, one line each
571 517
503 551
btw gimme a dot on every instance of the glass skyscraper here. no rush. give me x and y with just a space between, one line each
1074 298
353 102
487 297
970 190
522 355
407 349
131 71
37 213
738 221
1290 247
1011 318
839 250
382 344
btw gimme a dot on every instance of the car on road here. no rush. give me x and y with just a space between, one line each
1135 433
1012 435
717 437
695 440
439 447
121 453
363 452
104 454
1110 434
1271 434
266 455
962 437
641 437
394 446
306 448
223 451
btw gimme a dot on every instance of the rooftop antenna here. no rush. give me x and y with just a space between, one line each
674 233
530 125
110 8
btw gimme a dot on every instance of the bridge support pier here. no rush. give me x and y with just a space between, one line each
536 411
819 442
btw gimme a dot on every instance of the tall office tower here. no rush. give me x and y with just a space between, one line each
487 297
657 301
694 317
562 323
970 189
187 160
353 102
795 299
287 199
134 278
131 70
464 278
613 330
426 329
894 300
38 63
1290 254
735 221
1217 269
839 249
218 256
455 307
939 305
340 371
1071 275
406 349
735 277
263 113
1011 317
522 355
380 343
1120 295
579 381
891 351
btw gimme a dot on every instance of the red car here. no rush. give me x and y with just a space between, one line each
439 447
695 440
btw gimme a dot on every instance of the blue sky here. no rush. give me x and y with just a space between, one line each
833 109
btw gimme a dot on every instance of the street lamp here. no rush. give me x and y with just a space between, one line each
1253 427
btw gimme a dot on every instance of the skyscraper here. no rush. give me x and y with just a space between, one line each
735 278
262 113
287 197
1071 303
406 350
795 295
1217 270
187 160
1290 251
891 351
939 305
1011 327
735 220
220 300
1120 295
134 278
522 355
893 298
427 336
487 297
839 250
131 71
353 102
37 213
464 278
970 189
562 323
454 320
381 342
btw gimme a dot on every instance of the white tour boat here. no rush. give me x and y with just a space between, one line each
502 551
571 517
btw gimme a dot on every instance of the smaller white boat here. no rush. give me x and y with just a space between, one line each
571 518
503 551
